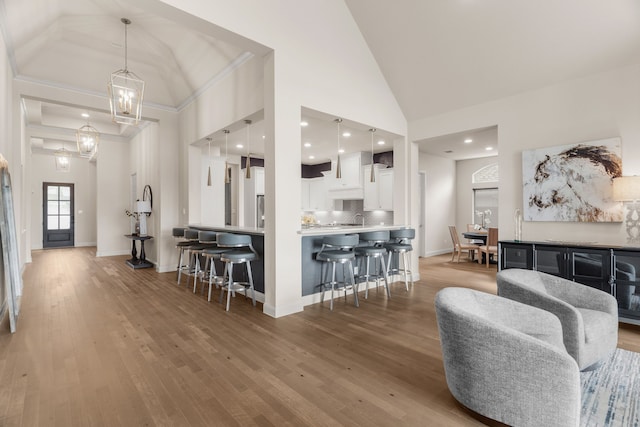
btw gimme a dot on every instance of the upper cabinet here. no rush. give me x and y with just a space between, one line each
349 186
378 195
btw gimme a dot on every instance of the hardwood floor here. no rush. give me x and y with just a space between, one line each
101 344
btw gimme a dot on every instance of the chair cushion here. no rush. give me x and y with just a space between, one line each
370 250
398 247
596 324
334 255
234 256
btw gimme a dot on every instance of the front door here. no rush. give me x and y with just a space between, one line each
57 215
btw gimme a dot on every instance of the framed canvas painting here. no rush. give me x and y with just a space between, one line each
572 182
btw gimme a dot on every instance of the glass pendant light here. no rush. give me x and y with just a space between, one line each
227 178
248 165
209 139
338 167
372 178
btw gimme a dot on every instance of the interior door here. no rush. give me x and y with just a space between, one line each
58 221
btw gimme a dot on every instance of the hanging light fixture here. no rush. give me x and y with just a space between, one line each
338 168
227 178
209 139
248 165
87 138
63 159
372 178
125 91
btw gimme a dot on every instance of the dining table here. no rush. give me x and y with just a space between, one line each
476 235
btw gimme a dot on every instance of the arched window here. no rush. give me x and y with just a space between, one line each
486 174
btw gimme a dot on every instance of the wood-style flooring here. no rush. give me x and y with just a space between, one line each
101 344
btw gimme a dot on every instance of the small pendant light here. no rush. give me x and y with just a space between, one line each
248 165
372 178
209 139
227 178
338 167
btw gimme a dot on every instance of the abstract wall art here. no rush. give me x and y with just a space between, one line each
572 182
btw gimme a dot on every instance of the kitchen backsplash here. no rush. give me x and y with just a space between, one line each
349 209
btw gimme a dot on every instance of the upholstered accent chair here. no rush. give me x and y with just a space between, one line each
506 360
589 316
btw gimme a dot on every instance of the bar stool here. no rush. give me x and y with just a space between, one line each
191 239
399 243
339 249
178 235
206 240
375 250
239 251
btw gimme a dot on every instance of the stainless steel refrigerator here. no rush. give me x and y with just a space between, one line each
260 211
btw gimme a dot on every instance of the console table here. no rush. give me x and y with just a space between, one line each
136 262
612 269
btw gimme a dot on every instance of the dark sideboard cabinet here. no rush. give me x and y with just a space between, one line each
611 269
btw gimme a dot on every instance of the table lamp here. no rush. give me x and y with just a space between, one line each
143 208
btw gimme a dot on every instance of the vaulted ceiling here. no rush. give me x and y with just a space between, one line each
437 56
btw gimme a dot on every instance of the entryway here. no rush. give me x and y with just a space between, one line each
57 214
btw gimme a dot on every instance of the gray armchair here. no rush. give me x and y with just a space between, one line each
507 360
589 317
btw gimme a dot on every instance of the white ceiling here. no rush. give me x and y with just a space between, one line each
436 56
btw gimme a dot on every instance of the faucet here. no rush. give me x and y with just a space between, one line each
356 216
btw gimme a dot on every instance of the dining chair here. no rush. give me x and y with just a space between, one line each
491 248
459 247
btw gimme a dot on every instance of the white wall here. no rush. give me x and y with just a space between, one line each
440 202
83 177
112 188
594 107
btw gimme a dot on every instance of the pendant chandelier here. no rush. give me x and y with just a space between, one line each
372 178
248 165
63 159
125 91
87 138
227 178
338 167
209 139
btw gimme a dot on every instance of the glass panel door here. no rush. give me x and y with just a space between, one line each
58 227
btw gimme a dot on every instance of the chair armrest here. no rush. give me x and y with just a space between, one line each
582 296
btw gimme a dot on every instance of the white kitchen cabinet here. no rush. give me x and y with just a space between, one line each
378 195
349 186
318 200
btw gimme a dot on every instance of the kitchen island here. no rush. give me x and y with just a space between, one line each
312 243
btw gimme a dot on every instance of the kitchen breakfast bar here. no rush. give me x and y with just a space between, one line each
311 243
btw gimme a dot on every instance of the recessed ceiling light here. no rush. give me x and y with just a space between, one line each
307 144
381 142
312 157
346 134
489 148
264 136
85 115
239 145
303 123
468 141
341 150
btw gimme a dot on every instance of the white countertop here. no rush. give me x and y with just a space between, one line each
342 229
312 231
228 228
